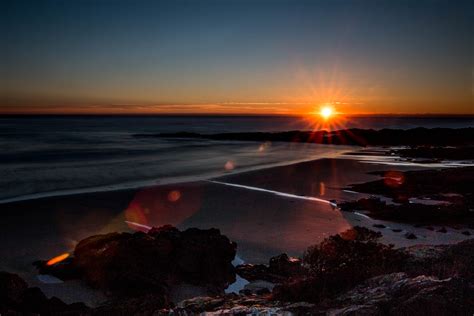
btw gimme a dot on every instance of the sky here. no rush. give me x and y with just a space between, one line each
236 57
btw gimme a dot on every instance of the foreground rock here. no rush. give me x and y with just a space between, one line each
347 274
278 270
442 261
131 265
233 304
399 294
16 298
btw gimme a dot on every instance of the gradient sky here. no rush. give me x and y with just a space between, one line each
223 56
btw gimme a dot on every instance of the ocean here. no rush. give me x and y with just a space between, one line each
57 155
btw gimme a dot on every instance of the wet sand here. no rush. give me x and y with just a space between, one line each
263 222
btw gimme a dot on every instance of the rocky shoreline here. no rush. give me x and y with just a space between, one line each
347 274
423 197
167 271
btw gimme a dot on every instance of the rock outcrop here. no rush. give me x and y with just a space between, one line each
16 298
129 265
278 270
347 274
399 294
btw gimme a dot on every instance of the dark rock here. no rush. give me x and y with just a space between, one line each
399 294
64 270
455 226
442 261
452 186
280 268
258 287
262 291
419 253
442 230
11 287
142 263
147 304
232 304
466 232
285 266
410 236
379 226
436 153
396 230
246 292
430 228
201 304
16 298
253 272
421 214
457 259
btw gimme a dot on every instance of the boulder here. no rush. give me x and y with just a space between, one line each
399 294
147 304
258 287
442 261
64 270
254 272
16 298
285 266
279 269
11 287
142 263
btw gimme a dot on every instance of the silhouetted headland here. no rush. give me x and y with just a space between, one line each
353 136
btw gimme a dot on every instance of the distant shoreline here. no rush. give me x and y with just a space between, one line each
353 136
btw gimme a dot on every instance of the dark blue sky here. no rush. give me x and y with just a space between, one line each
237 56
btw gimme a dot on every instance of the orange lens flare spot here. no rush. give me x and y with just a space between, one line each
229 165
322 188
57 259
393 178
263 147
136 213
174 196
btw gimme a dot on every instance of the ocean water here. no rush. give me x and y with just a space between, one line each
44 156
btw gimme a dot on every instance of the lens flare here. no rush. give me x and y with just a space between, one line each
229 165
57 259
174 195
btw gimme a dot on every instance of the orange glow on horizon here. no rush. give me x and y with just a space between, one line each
57 259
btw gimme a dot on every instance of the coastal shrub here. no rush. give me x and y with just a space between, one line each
340 262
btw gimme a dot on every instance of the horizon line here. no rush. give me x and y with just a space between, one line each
20 114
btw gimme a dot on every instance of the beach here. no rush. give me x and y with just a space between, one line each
267 212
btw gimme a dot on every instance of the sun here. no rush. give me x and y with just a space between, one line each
326 112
